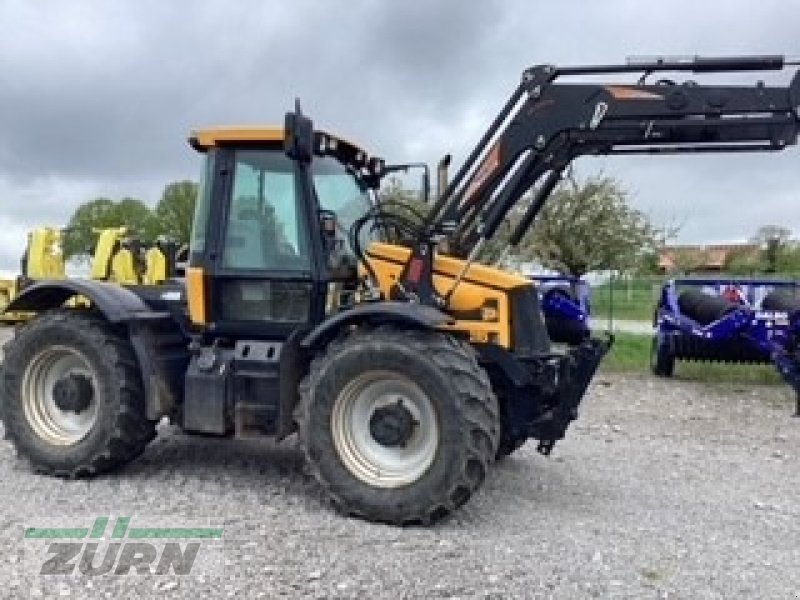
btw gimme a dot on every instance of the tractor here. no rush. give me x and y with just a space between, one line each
403 364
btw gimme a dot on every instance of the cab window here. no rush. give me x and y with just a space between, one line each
266 229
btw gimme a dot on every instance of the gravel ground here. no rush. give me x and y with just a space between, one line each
663 489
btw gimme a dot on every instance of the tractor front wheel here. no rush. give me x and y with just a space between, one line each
398 426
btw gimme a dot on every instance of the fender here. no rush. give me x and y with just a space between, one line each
375 313
115 302
162 378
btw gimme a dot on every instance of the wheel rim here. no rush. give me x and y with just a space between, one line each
49 369
377 464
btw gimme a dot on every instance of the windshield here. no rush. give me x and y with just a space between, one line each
340 192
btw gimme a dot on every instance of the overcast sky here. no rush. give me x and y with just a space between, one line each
97 98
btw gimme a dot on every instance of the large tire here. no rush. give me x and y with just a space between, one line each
662 359
106 427
439 382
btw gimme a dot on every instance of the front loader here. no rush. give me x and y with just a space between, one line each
404 365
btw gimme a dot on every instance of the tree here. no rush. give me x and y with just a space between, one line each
767 233
774 241
584 226
396 199
80 236
172 217
175 211
742 262
589 226
394 193
788 260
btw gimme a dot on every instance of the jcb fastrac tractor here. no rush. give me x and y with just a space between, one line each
405 365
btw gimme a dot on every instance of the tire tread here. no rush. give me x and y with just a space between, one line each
131 431
477 403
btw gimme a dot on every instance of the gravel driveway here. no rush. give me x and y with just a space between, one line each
662 490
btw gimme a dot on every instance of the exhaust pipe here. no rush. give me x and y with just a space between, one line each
441 175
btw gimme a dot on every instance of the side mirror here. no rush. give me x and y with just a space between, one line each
327 222
299 135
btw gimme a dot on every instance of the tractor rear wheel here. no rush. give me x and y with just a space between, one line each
398 426
73 403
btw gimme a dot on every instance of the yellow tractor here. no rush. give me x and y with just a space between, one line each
404 365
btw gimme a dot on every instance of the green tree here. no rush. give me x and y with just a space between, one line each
776 247
397 199
589 226
743 262
175 211
766 233
782 258
80 237
648 263
393 192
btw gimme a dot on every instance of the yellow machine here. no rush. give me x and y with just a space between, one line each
404 365
114 258
118 257
43 259
8 289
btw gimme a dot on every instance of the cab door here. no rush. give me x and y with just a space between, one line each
261 245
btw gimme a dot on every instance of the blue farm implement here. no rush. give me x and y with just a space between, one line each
565 304
733 321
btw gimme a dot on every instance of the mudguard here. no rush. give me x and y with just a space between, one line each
159 345
377 313
115 302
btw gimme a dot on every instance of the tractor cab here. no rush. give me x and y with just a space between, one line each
266 253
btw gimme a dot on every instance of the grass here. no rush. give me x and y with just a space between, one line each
633 300
631 353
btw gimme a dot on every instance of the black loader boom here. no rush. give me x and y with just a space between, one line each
550 120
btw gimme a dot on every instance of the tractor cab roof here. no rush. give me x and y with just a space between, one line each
210 137
325 144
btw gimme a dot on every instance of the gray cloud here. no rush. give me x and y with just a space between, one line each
97 98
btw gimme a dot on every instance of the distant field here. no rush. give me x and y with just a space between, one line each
632 300
632 353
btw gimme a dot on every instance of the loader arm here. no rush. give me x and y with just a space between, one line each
547 123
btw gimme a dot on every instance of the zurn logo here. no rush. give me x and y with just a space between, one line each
118 548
